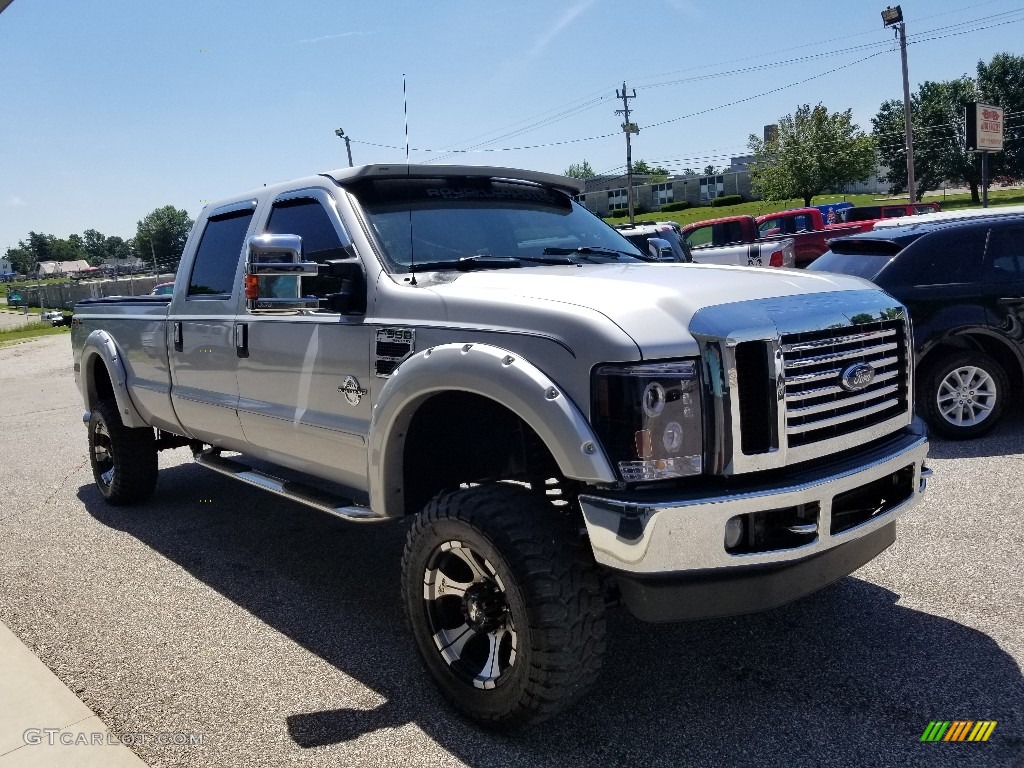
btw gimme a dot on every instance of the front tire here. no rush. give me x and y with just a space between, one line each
962 395
504 602
124 461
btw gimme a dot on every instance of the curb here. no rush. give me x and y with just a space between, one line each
42 723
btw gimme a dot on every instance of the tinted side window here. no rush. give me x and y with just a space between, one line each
308 219
949 256
1005 254
213 272
732 232
862 213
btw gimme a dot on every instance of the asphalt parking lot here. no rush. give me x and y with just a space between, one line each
277 632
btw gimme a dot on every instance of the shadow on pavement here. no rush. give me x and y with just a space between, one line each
844 677
1006 438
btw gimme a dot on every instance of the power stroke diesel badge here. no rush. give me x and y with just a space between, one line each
353 393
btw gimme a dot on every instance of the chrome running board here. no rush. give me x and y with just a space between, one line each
303 494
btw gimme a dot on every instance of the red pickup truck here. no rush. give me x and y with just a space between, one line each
804 226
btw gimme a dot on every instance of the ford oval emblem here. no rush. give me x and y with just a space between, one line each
857 377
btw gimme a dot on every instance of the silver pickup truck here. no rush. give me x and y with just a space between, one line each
562 425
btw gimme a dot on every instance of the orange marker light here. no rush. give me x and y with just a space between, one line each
252 286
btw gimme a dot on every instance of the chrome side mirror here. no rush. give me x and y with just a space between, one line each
660 249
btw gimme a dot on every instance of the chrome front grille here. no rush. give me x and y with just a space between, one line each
773 369
819 404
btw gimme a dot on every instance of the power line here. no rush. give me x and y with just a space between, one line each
594 102
766 93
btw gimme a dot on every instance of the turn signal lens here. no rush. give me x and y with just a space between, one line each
252 286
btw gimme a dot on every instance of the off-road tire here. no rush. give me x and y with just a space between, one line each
532 560
971 412
123 459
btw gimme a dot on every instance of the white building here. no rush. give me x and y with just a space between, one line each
60 268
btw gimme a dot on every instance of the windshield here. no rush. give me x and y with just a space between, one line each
460 223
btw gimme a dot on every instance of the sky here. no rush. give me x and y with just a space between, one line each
112 108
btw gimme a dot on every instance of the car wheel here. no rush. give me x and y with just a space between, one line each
504 602
962 395
124 461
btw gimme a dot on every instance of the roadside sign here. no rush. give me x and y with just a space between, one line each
984 127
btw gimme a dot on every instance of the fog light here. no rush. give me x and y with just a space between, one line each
733 532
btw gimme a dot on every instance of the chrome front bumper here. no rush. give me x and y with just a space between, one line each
653 533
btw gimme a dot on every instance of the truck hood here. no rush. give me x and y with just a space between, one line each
652 303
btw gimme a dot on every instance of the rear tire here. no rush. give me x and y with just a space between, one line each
504 601
962 394
124 461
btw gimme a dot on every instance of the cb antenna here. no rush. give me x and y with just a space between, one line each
412 249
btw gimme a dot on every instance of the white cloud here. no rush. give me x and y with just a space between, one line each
331 37
14 201
567 18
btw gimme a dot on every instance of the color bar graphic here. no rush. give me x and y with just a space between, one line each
958 730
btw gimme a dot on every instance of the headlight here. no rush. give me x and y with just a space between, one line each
648 419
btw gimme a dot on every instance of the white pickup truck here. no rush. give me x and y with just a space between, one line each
563 425
664 241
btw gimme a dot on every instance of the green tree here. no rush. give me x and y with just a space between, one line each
95 245
937 115
1001 82
115 247
643 168
689 172
67 250
20 258
40 246
709 170
161 236
813 151
580 171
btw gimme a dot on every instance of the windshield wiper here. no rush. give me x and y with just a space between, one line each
469 263
587 250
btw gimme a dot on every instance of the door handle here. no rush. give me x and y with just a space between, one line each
242 339
177 335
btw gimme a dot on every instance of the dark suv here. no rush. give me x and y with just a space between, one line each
963 282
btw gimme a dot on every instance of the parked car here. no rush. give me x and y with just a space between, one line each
890 211
954 215
51 316
162 289
963 282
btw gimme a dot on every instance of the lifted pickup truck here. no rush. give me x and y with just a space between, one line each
563 425
804 226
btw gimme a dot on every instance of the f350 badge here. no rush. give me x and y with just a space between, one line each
353 394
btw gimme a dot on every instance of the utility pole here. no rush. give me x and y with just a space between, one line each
893 17
152 250
348 147
627 128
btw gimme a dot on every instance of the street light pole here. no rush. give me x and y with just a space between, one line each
348 147
893 17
